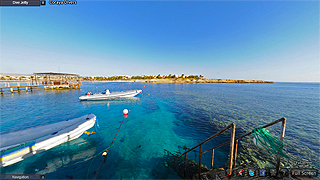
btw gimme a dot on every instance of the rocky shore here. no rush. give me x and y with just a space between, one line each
194 81
191 81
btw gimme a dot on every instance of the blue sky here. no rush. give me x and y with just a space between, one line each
268 40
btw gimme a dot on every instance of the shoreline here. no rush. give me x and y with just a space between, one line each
200 81
177 80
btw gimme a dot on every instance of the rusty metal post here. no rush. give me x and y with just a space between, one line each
235 154
232 145
195 155
200 161
185 165
281 140
212 158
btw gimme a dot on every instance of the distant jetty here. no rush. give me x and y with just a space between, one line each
201 80
47 80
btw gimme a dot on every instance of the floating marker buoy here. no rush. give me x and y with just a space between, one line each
125 112
144 86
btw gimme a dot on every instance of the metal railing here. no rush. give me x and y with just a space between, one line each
233 145
233 126
283 129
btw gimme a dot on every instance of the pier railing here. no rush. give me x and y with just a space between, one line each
233 145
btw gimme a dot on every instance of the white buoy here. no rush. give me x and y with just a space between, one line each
125 112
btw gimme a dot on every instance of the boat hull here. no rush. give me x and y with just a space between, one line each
124 94
58 133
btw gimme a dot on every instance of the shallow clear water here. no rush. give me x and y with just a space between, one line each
164 116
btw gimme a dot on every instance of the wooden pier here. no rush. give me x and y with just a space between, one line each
19 88
57 81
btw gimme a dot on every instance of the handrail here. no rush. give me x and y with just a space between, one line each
233 142
213 136
217 146
270 124
233 126
283 120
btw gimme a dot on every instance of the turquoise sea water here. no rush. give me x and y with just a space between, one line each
164 116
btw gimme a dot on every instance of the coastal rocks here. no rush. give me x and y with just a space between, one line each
199 81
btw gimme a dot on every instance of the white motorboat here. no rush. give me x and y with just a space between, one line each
18 145
108 95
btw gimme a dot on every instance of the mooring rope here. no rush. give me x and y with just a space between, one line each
97 127
104 153
94 159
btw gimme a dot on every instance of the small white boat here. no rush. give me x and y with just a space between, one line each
108 95
18 145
